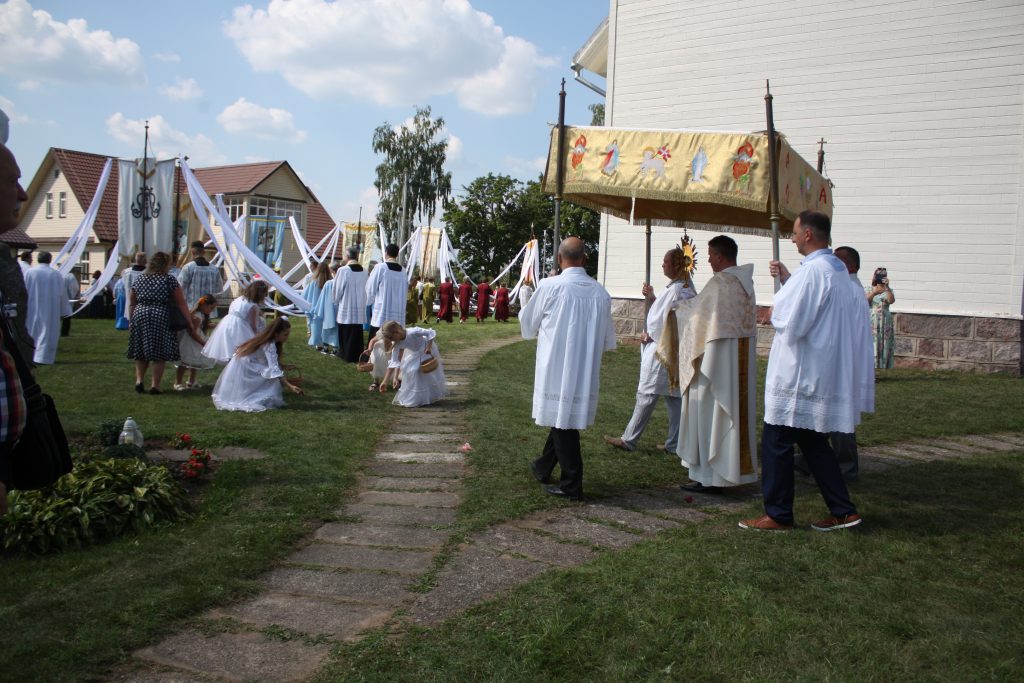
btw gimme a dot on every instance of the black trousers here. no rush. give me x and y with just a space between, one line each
563 449
350 342
777 471
845 447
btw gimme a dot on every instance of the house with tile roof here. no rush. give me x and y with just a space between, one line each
268 192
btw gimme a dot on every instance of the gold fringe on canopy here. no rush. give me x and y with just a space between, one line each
685 178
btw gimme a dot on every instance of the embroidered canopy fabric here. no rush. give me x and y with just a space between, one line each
682 178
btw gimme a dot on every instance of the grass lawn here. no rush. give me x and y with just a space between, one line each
69 617
930 589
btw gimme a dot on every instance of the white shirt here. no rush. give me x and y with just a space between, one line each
570 315
653 375
821 367
350 295
386 288
47 304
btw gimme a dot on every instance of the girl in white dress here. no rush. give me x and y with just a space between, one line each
410 348
252 381
241 324
190 350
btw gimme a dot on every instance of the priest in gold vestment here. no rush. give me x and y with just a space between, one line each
710 355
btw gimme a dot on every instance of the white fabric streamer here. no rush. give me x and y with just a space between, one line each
80 237
199 198
105 277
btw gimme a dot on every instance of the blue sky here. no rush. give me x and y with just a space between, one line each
302 80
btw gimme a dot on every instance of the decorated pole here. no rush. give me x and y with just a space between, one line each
359 233
559 179
647 269
145 179
821 155
773 178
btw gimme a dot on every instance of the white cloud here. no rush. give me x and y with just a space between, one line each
347 211
185 89
247 118
36 47
165 140
167 57
527 169
391 52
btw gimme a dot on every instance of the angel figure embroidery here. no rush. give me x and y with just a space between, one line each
742 163
579 150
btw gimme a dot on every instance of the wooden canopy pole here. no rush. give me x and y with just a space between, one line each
647 270
773 176
559 180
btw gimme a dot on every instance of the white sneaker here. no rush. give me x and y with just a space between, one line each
180 387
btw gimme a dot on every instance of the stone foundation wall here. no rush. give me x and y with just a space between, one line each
934 342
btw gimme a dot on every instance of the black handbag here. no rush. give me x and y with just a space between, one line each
41 455
175 320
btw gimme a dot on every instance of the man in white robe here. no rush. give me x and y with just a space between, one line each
653 375
570 315
25 261
73 283
47 304
129 275
712 358
386 288
350 301
820 379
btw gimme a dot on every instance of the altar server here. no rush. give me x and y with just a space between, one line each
570 316
350 304
386 289
47 304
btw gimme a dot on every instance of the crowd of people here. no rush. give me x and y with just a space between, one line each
697 351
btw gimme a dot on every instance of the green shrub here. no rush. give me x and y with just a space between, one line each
125 451
108 431
97 500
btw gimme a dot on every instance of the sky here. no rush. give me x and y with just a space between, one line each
306 81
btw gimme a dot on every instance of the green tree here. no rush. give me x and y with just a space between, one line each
412 153
497 214
596 114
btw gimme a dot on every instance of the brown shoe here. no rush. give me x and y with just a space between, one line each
764 523
832 523
616 442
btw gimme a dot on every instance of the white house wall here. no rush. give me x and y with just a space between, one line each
921 104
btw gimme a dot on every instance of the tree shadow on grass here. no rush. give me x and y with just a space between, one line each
976 496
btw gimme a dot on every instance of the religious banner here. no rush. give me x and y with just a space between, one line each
145 197
678 177
364 236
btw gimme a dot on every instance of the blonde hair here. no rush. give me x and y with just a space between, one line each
257 291
160 262
390 330
269 334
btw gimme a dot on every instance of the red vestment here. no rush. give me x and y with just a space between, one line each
483 301
446 292
501 304
465 293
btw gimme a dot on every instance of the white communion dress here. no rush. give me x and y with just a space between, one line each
190 351
251 383
418 388
233 330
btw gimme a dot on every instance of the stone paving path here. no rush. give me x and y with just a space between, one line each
361 573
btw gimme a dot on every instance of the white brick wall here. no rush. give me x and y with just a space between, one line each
922 105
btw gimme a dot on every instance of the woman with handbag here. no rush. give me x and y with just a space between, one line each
414 352
153 297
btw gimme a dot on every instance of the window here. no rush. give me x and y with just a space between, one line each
49 205
84 274
62 206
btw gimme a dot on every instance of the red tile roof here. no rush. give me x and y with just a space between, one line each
83 169
318 222
18 238
236 179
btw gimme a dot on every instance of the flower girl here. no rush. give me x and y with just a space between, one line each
191 351
411 348
253 378
242 322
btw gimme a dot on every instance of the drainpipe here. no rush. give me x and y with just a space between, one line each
577 68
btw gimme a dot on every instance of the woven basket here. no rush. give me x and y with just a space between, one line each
429 364
294 376
364 364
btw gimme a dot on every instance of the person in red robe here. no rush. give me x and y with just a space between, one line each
446 292
501 303
483 300
465 294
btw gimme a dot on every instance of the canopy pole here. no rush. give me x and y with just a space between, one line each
559 180
821 155
773 175
647 269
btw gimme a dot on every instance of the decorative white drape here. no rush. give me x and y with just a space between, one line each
71 252
233 240
531 266
105 277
